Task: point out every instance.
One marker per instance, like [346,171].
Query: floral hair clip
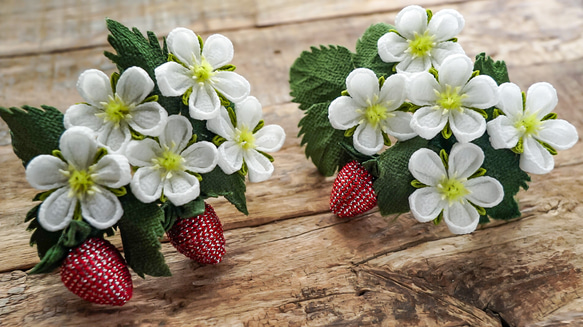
[465,137]
[174,127]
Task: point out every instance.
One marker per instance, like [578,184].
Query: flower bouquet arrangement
[413,124]
[149,144]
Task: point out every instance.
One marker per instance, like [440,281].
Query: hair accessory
[140,156]
[412,124]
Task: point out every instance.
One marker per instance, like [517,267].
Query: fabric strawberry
[352,192]
[200,238]
[95,271]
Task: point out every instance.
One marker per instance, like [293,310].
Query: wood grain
[291,262]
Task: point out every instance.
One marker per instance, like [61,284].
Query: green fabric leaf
[232,187]
[172,212]
[133,49]
[367,55]
[503,165]
[34,131]
[393,185]
[75,234]
[141,230]
[320,75]
[495,69]
[324,144]
[43,239]
[51,260]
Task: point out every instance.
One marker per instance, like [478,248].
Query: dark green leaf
[141,230]
[52,260]
[320,75]
[367,55]
[232,187]
[76,233]
[324,144]
[487,66]
[34,131]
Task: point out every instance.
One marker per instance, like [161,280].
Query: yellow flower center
[245,138]
[80,182]
[452,190]
[528,125]
[376,113]
[203,72]
[116,110]
[422,44]
[450,99]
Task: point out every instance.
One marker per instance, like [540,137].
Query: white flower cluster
[436,77]
[119,127]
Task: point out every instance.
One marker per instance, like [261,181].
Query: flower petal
[485,191]
[467,125]
[230,157]
[44,172]
[421,89]
[399,126]
[363,86]
[201,157]
[222,125]
[426,166]
[149,118]
[456,70]
[181,188]
[535,159]
[541,98]
[147,184]
[558,133]
[260,168]
[57,210]
[173,79]
[393,92]
[218,50]
[248,112]
[232,85]
[177,133]
[428,122]
[481,92]
[78,147]
[134,85]
[270,138]
[114,138]
[391,47]
[464,160]
[113,170]
[367,139]
[426,204]
[83,115]
[461,218]
[140,153]
[446,24]
[510,100]
[443,50]
[343,113]
[94,87]
[414,64]
[411,19]
[183,43]
[503,134]
[204,102]
[102,209]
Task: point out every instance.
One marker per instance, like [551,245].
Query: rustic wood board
[291,262]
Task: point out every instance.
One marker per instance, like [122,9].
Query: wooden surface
[291,262]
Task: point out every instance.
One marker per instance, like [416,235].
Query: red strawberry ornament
[95,271]
[200,238]
[352,192]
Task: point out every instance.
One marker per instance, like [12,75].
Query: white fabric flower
[198,72]
[244,143]
[450,191]
[451,100]
[373,109]
[165,167]
[524,124]
[111,113]
[417,44]
[79,181]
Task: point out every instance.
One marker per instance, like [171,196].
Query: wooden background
[291,262]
